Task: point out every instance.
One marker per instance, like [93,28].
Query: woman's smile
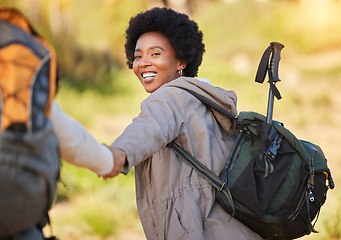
[148,77]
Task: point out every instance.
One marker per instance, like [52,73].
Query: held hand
[119,161]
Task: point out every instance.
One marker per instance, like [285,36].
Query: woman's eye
[137,57]
[155,54]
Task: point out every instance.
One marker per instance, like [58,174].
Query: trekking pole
[274,50]
[273,77]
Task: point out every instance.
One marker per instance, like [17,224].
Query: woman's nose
[145,61]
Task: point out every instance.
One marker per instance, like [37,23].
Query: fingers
[119,161]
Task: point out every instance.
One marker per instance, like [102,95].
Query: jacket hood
[222,97]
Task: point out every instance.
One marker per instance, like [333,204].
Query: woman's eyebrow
[153,47]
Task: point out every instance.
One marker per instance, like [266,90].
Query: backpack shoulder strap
[203,171]
[198,166]
[192,161]
[15,17]
[210,104]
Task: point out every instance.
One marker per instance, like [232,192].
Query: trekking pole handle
[275,58]
[276,49]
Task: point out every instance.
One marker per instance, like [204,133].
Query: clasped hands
[119,158]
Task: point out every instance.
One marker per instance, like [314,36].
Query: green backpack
[272,182]
[278,182]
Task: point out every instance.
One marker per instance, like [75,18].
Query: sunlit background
[103,94]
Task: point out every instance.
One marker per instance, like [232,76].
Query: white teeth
[148,75]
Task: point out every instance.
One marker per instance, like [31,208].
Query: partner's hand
[119,161]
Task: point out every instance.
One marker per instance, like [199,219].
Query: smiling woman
[155,62]
[165,48]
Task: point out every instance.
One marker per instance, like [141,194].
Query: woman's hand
[119,162]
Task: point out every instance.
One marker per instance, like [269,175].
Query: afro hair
[183,34]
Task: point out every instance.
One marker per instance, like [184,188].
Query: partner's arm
[78,146]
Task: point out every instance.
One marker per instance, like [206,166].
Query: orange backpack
[29,149]
[23,55]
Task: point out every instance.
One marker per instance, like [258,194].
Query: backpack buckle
[221,187]
[271,153]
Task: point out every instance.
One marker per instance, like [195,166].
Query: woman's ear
[182,66]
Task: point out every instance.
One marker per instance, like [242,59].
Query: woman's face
[155,62]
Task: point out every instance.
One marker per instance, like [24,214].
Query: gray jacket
[173,201]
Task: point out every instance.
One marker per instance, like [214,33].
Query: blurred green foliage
[94,207]
[97,88]
[89,35]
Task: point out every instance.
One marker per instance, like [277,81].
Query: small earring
[180,72]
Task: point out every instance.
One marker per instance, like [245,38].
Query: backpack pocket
[29,171]
[256,192]
[23,195]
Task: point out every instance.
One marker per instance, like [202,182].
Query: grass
[89,207]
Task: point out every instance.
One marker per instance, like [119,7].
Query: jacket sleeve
[158,123]
[77,145]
